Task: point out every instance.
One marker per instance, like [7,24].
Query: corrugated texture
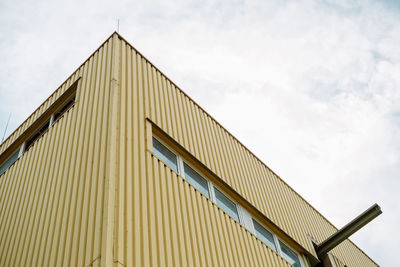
[161,220]
[148,93]
[89,192]
[183,228]
[51,199]
[337,262]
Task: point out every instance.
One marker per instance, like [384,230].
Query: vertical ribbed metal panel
[150,94]
[91,178]
[161,220]
[177,226]
[51,199]
[337,262]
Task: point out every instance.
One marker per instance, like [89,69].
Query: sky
[311,87]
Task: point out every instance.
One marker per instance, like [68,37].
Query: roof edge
[256,157]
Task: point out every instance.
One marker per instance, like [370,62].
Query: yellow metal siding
[51,199]
[337,262]
[212,145]
[177,226]
[160,219]
[90,192]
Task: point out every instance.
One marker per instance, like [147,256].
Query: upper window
[51,120]
[290,255]
[37,135]
[264,235]
[163,153]
[196,180]
[226,204]
[39,127]
[58,114]
[13,158]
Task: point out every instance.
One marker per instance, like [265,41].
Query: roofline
[219,124]
[11,134]
[122,38]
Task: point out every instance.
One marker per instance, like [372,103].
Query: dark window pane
[226,204]
[8,162]
[264,235]
[290,255]
[37,135]
[165,155]
[196,180]
[64,109]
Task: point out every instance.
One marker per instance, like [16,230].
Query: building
[119,167]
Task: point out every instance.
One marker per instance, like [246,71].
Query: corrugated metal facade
[91,191]
[51,199]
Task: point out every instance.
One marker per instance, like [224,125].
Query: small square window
[196,180]
[37,135]
[226,204]
[264,235]
[10,161]
[165,155]
[64,109]
[290,255]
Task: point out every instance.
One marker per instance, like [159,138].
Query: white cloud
[316,81]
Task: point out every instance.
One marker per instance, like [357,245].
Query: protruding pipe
[348,230]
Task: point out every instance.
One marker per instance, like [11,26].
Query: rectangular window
[196,180]
[226,204]
[165,154]
[64,108]
[264,235]
[289,255]
[37,135]
[10,161]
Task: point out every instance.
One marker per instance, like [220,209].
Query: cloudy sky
[311,87]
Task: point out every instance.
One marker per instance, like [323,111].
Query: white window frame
[290,247]
[276,242]
[182,163]
[212,192]
[179,164]
[274,237]
[230,198]
[246,219]
[51,120]
[19,150]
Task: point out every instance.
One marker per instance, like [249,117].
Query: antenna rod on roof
[118,25]
[5,130]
